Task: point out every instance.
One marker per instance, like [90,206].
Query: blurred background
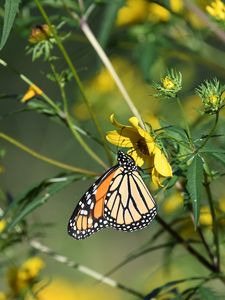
[142,39]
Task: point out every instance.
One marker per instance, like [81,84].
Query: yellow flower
[30,268]
[104,81]
[2,225]
[158,13]
[222,204]
[217,10]
[134,11]
[3,296]
[176,5]
[40,33]
[60,289]
[205,217]
[167,83]
[20,278]
[32,91]
[173,203]
[143,148]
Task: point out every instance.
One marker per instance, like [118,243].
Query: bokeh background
[143,39]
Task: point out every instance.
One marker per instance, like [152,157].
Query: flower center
[141,144]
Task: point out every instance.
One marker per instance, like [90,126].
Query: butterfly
[118,199]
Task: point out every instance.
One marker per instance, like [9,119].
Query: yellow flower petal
[127,137]
[32,91]
[156,178]
[115,122]
[161,164]
[137,157]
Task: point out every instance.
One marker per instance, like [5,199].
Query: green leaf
[220,157]
[194,185]
[168,285]
[11,9]
[208,294]
[211,149]
[38,196]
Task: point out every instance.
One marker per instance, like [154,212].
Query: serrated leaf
[194,185]
[38,196]
[11,9]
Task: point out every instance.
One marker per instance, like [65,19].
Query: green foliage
[192,141]
[11,9]
[194,184]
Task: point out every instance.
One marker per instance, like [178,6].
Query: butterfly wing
[88,216]
[129,205]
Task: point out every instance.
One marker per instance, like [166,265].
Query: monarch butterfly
[118,199]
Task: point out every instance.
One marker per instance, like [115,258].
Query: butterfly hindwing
[129,205]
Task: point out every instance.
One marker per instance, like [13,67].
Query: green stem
[210,133]
[186,245]
[61,115]
[215,228]
[77,79]
[184,118]
[44,158]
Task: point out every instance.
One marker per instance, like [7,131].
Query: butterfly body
[118,199]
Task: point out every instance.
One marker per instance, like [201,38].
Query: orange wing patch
[100,196]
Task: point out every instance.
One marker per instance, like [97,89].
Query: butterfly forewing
[88,216]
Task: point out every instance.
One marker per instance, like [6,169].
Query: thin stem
[186,245]
[44,158]
[215,228]
[83,269]
[107,63]
[184,118]
[61,115]
[207,248]
[210,133]
[78,81]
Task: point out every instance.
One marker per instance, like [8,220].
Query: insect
[118,199]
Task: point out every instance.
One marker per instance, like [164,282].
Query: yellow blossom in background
[2,225]
[176,5]
[217,10]
[3,296]
[222,204]
[173,203]
[133,11]
[158,13]
[103,81]
[20,278]
[60,289]
[205,217]
[32,91]
[30,268]
[143,148]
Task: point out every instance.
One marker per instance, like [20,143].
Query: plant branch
[215,228]
[78,81]
[107,63]
[44,158]
[83,269]
[186,245]
[61,114]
